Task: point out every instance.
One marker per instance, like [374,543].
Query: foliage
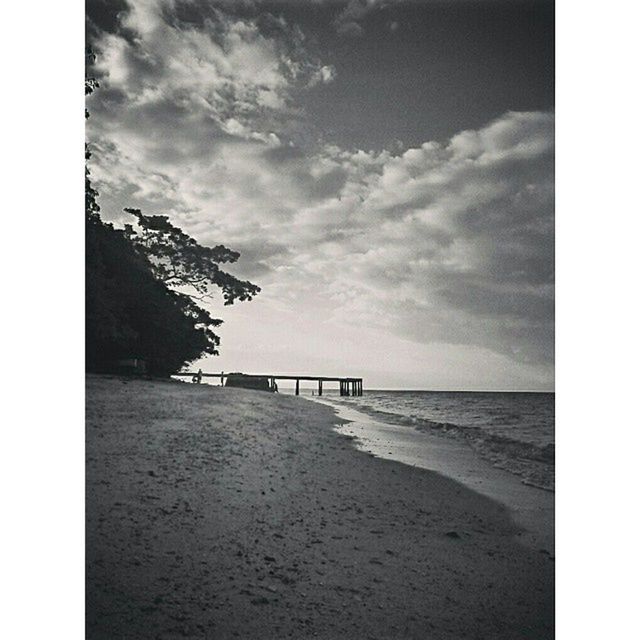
[129,313]
[133,309]
[179,261]
[92,208]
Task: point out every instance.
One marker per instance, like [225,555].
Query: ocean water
[513,431]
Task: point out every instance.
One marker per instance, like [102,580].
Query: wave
[534,463]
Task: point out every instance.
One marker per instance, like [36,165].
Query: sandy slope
[225,513]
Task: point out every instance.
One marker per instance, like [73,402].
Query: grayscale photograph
[319,319]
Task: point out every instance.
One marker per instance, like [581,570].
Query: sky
[384,167]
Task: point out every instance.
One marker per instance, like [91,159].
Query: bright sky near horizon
[385,168]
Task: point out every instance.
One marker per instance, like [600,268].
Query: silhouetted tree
[92,208]
[132,306]
[130,313]
[179,261]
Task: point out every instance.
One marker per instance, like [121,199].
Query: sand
[228,513]
[531,507]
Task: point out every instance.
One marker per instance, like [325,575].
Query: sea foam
[514,431]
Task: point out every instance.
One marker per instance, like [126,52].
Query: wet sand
[531,507]
[227,513]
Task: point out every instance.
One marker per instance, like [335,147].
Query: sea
[499,444]
[513,431]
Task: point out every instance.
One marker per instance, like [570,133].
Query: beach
[228,513]
[530,506]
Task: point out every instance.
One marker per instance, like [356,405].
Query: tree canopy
[178,260]
[145,285]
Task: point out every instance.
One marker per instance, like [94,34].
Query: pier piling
[347,386]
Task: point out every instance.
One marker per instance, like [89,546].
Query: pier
[347,386]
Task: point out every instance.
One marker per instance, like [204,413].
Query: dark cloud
[350,28]
[257,258]
[445,242]
[348,21]
[104,15]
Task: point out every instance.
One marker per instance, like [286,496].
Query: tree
[130,313]
[92,208]
[134,307]
[179,261]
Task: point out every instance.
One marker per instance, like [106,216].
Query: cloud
[444,243]
[348,21]
[323,75]
[237,76]
[450,243]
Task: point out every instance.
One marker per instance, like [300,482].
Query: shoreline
[469,436]
[216,512]
[532,507]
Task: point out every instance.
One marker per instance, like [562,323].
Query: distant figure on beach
[197,378]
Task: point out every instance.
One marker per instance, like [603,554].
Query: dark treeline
[143,288]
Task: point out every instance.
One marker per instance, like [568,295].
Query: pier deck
[348,386]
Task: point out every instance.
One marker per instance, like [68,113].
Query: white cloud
[443,244]
[225,70]
[323,75]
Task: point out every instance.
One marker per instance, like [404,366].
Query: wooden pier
[347,386]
